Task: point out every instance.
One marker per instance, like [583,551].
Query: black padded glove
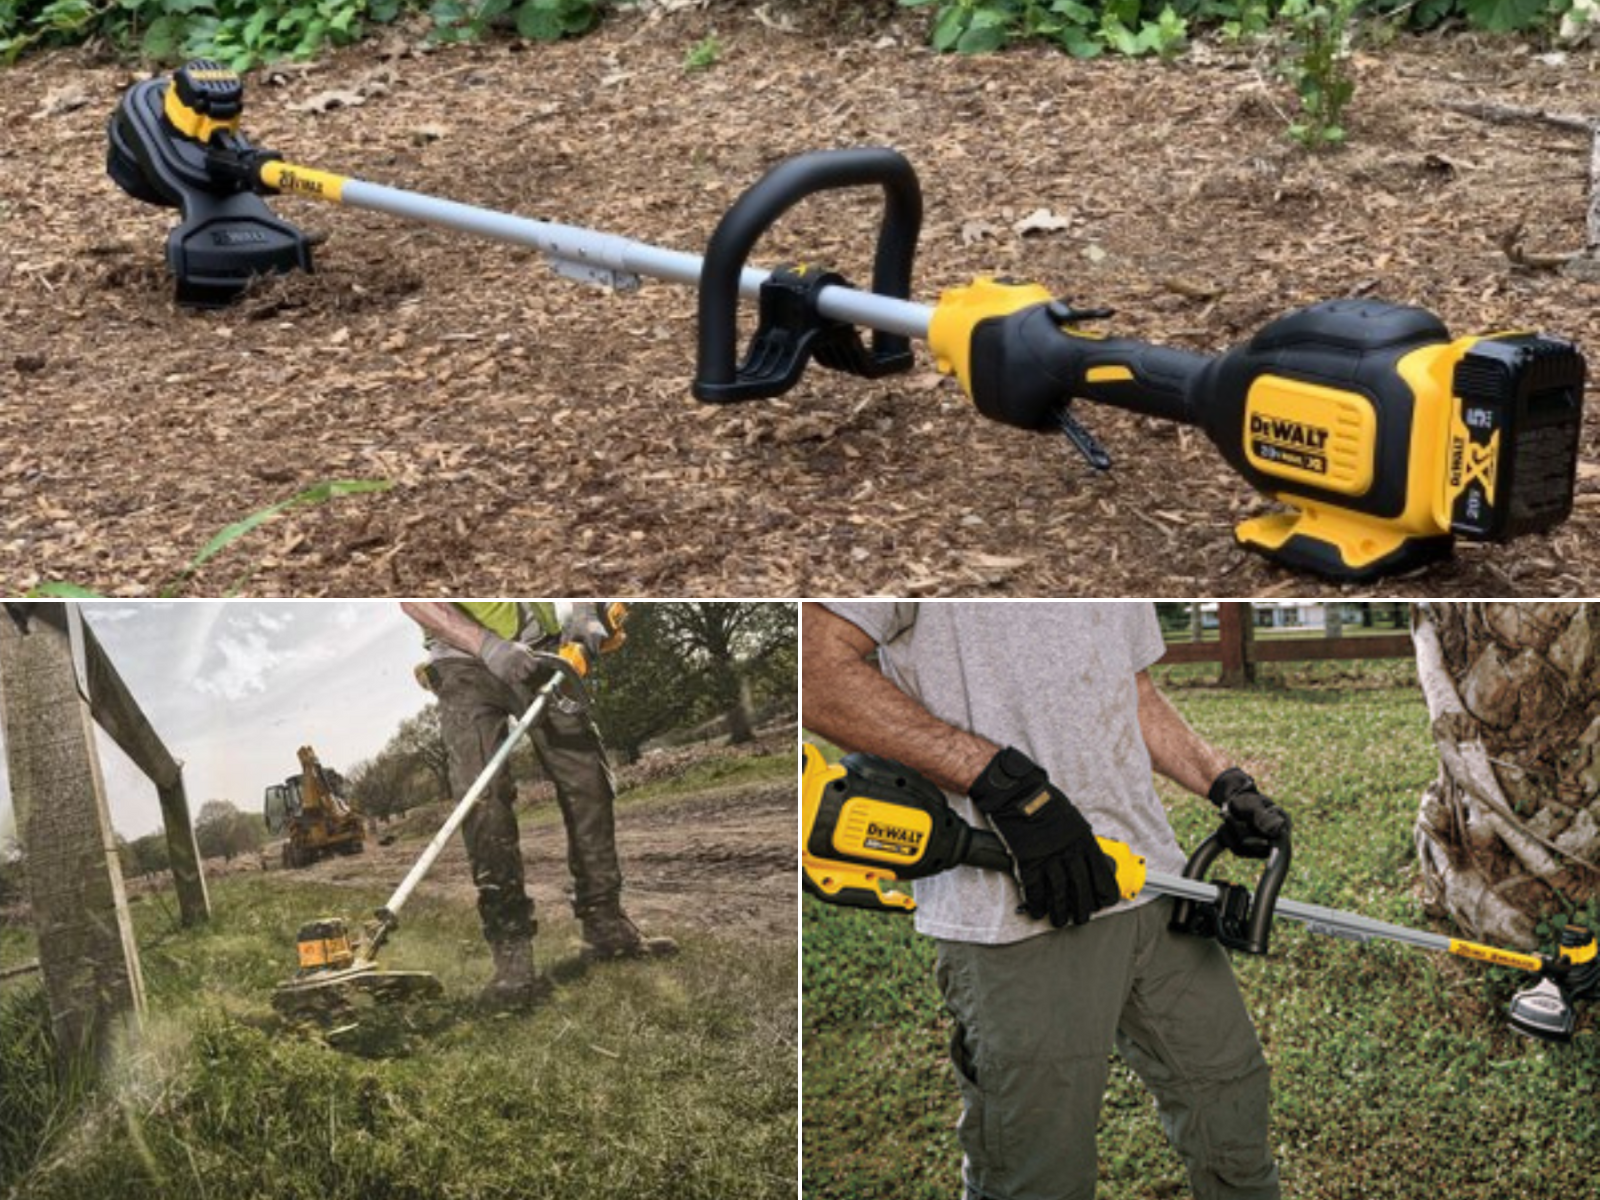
[1250,821]
[1060,867]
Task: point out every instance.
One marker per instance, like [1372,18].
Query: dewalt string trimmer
[866,821]
[1384,437]
[337,966]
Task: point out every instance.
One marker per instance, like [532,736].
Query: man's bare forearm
[446,621]
[849,702]
[1176,750]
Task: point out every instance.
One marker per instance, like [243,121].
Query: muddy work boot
[608,934]
[516,985]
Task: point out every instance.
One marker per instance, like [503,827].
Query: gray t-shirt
[1057,681]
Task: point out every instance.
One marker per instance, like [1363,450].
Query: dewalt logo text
[1284,432]
[893,833]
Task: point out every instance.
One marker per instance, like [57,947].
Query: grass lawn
[1393,1072]
[672,1078]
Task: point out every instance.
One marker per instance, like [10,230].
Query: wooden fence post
[119,714]
[183,853]
[1237,626]
[87,952]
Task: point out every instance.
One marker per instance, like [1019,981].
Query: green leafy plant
[245,33]
[1161,27]
[1317,65]
[321,493]
[703,54]
[1130,27]
[541,20]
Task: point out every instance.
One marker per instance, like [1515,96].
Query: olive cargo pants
[475,713]
[1035,1022]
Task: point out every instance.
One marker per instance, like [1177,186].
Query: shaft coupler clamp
[791,334]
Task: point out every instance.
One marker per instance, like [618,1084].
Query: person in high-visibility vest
[482,667]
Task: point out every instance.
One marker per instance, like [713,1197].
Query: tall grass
[672,1078]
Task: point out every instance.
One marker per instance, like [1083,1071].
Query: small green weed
[703,55]
[320,493]
[1316,63]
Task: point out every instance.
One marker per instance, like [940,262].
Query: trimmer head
[168,145]
[1547,1010]
[336,980]
[1543,1012]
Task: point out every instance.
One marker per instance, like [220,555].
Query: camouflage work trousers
[475,713]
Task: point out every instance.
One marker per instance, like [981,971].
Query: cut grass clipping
[672,1078]
[321,493]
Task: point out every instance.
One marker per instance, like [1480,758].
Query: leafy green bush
[1140,27]
[543,20]
[244,33]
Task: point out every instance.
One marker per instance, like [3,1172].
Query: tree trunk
[1510,829]
[741,726]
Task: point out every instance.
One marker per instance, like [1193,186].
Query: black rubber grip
[987,852]
[779,190]
[1025,365]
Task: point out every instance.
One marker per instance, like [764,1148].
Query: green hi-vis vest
[509,618]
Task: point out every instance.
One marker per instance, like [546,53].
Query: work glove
[1060,867]
[1251,823]
[585,628]
[514,665]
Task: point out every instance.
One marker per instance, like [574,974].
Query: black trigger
[1083,441]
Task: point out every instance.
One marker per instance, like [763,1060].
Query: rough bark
[80,911]
[1510,828]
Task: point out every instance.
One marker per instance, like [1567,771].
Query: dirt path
[719,861]
[530,420]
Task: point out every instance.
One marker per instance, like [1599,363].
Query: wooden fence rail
[1238,652]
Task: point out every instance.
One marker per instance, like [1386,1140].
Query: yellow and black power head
[1385,438]
[866,821]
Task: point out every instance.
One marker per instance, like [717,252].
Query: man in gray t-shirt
[1040,720]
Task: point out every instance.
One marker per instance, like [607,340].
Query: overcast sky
[234,687]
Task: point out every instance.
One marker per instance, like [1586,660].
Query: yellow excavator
[311,808]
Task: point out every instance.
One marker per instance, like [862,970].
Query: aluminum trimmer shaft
[1333,922]
[586,254]
[389,914]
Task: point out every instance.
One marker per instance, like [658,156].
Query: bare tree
[727,644]
[420,739]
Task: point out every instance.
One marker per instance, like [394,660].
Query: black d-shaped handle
[1237,919]
[717,373]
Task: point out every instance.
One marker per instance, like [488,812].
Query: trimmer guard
[228,236]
